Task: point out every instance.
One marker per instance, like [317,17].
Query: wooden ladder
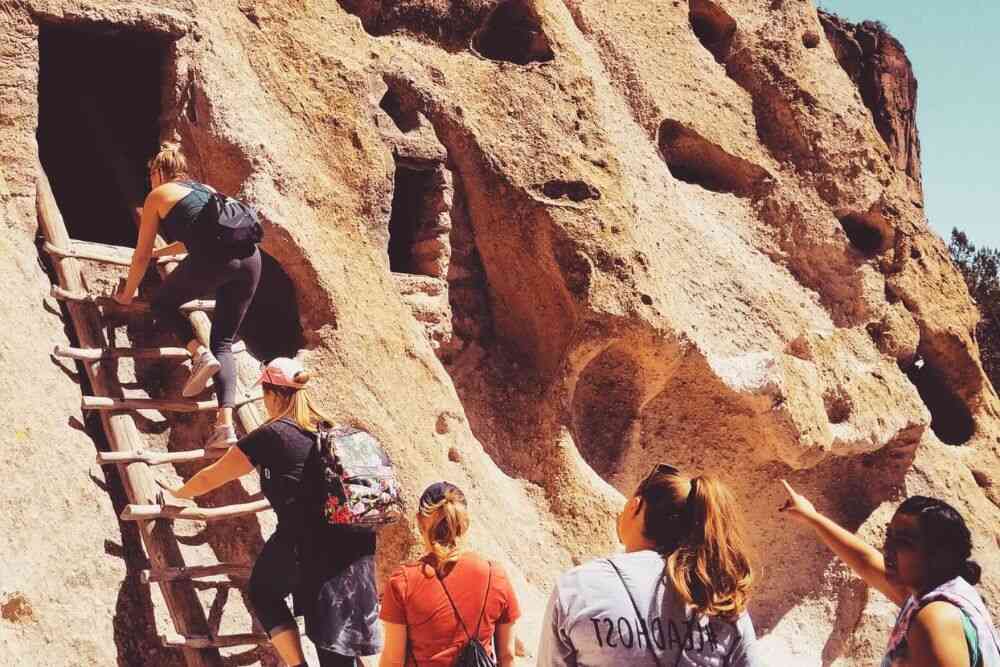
[192,633]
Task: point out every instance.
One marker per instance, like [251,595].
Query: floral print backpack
[358,481]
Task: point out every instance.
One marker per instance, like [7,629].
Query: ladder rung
[98,354]
[160,404]
[158,458]
[196,572]
[101,252]
[195,513]
[62,294]
[222,641]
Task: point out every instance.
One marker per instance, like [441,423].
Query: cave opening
[513,33]
[271,327]
[605,405]
[405,118]
[863,234]
[951,419]
[713,27]
[99,101]
[693,159]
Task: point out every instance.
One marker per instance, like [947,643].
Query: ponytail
[696,524]
[170,162]
[448,522]
[972,572]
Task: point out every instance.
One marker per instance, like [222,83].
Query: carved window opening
[419,225]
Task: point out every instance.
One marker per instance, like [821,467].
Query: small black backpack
[223,224]
[473,654]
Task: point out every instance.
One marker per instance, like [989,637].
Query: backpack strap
[198,186]
[486,596]
[454,608]
[639,616]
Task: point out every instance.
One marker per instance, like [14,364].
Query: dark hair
[945,537]
[696,524]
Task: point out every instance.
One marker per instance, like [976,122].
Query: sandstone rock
[594,234]
[878,65]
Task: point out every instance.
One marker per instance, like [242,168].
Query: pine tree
[981,269]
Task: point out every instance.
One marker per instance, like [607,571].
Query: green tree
[981,269]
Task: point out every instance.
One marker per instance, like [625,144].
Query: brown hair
[696,524]
[295,404]
[449,522]
[170,162]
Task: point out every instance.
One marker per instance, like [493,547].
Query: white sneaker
[203,368]
[223,437]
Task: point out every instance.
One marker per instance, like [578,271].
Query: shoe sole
[197,383]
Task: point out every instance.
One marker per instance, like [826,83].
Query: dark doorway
[409,212]
[98,124]
[271,327]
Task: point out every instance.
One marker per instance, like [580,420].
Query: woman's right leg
[274,576]
[191,279]
[184,283]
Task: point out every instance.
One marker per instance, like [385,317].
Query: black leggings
[234,281]
[328,659]
[275,575]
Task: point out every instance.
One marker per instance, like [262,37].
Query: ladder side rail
[158,539]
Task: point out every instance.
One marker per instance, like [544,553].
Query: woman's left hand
[167,495]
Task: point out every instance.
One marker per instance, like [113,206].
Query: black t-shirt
[283,453]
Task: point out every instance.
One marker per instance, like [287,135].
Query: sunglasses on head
[658,469]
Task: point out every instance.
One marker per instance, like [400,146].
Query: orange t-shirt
[414,597]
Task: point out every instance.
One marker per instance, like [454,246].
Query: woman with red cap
[329,569]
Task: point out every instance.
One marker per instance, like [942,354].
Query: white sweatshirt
[590,621]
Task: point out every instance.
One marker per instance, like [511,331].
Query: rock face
[535,246]
[878,66]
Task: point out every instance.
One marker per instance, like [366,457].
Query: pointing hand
[797,506]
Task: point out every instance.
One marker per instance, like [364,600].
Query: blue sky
[958,104]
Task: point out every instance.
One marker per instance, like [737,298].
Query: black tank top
[180,218]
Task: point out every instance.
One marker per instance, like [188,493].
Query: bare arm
[505,644]
[149,226]
[232,465]
[936,638]
[864,559]
[394,651]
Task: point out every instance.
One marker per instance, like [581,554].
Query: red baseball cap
[282,371]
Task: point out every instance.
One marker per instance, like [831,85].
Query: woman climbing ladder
[231,270]
[329,569]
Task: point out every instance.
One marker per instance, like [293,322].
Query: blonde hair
[445,532]
[295,404]
[696,524]
[170,161]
